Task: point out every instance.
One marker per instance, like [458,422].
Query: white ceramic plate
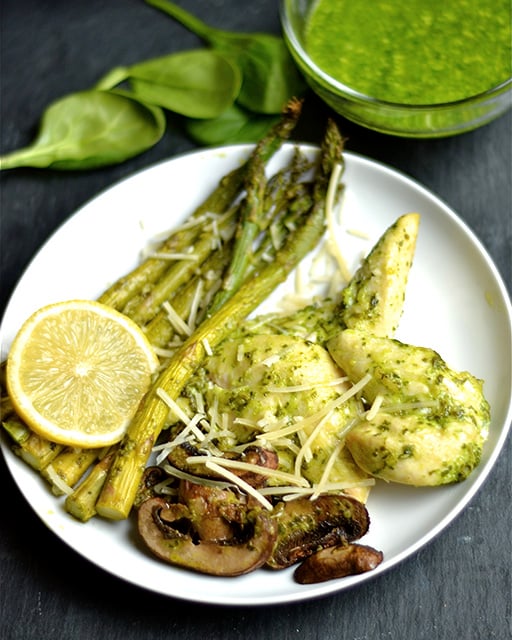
[456,303]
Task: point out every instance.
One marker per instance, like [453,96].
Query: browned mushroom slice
[261,457]
[152,477]
[338,562]
[265,458]
[215,514]
[167,530]
[305,526]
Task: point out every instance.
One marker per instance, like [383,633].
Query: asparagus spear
[178,274]
[263,206]
[118,493]
[123,290]
[68,467]
[81,504]
[160,331]
[148,272]
[30,447]
[248,228]
[283,193]
[39,452]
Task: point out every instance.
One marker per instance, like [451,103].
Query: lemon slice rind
[77,371]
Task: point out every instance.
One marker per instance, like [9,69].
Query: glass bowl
[407,120]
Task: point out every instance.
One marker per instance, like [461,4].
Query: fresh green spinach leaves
[233,90]
[197,84]
[270,78]
[90,129]
[234,125]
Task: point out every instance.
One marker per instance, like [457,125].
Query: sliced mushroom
[337,562]
[265,458]
[305,526]
[150,479]
[167,529]
[215,514]
[261,457]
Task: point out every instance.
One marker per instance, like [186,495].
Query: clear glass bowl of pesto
[413,68]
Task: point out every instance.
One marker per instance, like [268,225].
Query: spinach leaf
[90,129]
[234,125]
[198,83]
[270,77]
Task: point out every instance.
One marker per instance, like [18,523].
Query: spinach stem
[112,78]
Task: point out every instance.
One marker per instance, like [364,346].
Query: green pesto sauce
[414,51]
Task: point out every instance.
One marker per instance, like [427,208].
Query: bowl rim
[341,88]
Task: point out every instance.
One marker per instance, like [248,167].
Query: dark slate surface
[459,586]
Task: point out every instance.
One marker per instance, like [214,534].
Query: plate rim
[333,587]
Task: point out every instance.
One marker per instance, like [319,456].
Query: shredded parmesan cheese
[183,475]
[194,307]
[374,409]
[175,319]
[306,448]
[306,387]
[358,233]
[207,347]
[57,481]
[174,256]
[240,483]
[174,407]
[320,488]
[314,418]
[271,360]
[247,466]
[291,493]
[331,222]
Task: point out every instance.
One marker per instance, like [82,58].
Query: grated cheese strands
[314,418]
[306,387]
[245,422]
[240,483]
[163,353]
[408,406]
[358,233]
[174,407]
[213,413]
[275,235]
[175,319]
[174,256]
[374,409]
[184,436]
[279,433]
[331,223]
[216,238]
[327,470]
[163,487]
[198,401]
[205,482]
[270,361]
[194,307]
[57,481]
[305,451]
[207,347]
[289,493]
[293,493]
[286,443]
[247,466]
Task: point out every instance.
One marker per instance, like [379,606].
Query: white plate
[456,303]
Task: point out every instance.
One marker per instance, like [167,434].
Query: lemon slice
[77,371]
